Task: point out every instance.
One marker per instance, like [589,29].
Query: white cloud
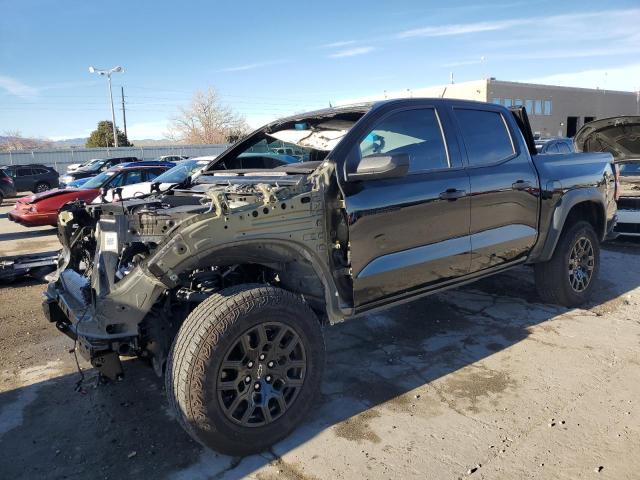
[623,77]
[17,88]
[566,23]
[352,52]
[345,43]
[252,66]
[459,29]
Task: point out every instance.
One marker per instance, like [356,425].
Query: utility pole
[124,114]
[107,73]
[113,116]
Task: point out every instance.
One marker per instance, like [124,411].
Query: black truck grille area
[629,203]
[628,228]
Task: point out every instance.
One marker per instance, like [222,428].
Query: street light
[108,73]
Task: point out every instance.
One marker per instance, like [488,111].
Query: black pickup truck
[224,284]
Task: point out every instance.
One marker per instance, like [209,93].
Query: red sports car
[42,208]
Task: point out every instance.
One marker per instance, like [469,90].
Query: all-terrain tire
[553,281]
[194,365]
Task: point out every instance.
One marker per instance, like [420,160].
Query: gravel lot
[479,382]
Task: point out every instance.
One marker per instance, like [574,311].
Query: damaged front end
[131,272]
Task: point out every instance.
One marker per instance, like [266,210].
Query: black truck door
[409,232]
[504,185]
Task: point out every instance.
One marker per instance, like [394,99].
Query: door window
[134,176]
[485,135]
[151,173]
[414,132]
[24,172]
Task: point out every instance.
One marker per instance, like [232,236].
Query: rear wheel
[245,368]
[568,278]
[42,187]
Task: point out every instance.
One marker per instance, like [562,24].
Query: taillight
[616,174]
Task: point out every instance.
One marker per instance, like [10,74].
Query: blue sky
[269,59]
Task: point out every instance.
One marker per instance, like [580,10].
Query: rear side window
[485,136]
[414,132]
[23,172]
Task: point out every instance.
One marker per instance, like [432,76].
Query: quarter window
[414,132]
[485,136]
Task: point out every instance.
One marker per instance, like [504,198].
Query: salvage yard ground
[479,382]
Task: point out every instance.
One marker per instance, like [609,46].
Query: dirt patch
[286,471]
[610,306]
[475,384]
[357,428]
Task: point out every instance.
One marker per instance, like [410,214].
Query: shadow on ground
[27,234]
[126,430]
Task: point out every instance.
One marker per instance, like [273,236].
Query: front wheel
[245,368]
[569,277]
[42,187]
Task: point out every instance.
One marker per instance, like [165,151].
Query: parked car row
[38,178]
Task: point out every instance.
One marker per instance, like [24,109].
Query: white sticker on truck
[110,242]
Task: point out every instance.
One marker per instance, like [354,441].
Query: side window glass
[414,132]
[23,172]
[151,173]
[485,136]
[134,176]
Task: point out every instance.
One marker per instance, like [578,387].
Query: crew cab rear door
[504,184]
[409,232]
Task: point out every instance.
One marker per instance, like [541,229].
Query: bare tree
[13,140]
[206,120]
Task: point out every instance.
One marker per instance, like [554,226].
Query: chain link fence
[60,158]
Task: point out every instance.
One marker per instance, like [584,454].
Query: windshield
[629,169]
[91,162]
[98,180]
[93,166]
[181,171]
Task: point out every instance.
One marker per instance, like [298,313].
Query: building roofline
[561,87]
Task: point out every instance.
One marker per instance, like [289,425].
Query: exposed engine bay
[131,271]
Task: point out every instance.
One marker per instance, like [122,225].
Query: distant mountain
[70,142]
[80,142]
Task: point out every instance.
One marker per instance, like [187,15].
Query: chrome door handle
[521,185]
[452,194]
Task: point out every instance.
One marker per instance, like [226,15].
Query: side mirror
[378,166]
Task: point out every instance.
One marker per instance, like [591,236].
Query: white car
[177,174]
[75,166]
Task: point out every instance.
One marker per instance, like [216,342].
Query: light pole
[108,73]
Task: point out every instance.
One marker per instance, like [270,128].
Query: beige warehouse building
[553,111]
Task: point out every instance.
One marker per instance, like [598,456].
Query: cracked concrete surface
[478,382]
